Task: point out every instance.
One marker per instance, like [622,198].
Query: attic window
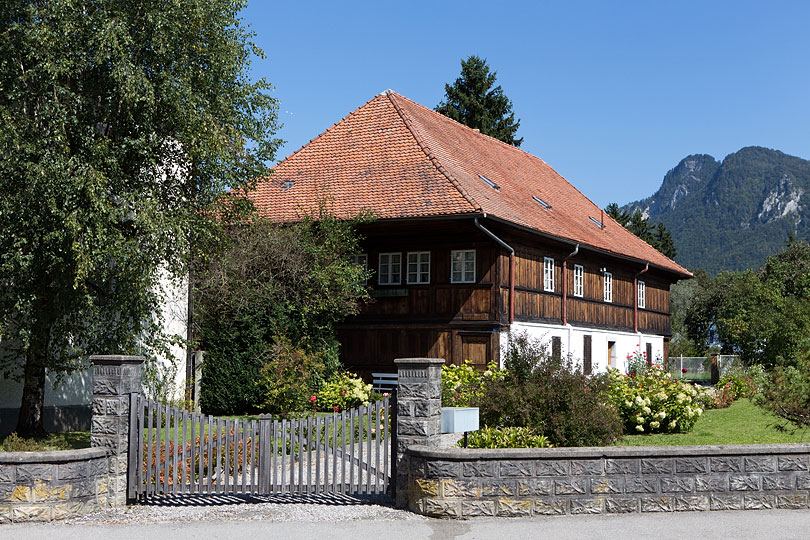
[287,184]
[541,202]
[489,182]
[596,221]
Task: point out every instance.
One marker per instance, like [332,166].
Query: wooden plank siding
[460,321]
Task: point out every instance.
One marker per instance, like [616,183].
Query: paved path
[752,525]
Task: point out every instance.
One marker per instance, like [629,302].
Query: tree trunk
[29,423]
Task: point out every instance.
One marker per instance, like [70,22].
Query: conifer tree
[475,101]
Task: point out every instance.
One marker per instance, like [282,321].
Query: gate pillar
[419,413]
[115,377]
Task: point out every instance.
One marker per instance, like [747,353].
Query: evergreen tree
[474,101]
[657,236]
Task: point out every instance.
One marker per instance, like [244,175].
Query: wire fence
[699,368]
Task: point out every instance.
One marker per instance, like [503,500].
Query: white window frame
[607,291]
[360,259]
[421,277]
[386,273]
[466,277]
[548,274]
[579,280]
[642,294]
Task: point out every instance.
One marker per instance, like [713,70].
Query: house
[474,239]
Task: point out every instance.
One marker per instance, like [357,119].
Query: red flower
[336,408]
[684,370]
[312,399]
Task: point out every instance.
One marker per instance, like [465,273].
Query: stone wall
[42,486]
[461,483]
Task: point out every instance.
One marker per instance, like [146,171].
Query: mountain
[731,215]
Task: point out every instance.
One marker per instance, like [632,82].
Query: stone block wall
[43,486]
[462,483]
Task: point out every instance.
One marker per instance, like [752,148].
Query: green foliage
[741,423]
[505,437]
[290,378]
[550,396]
[268,280]
[122,124]
[473,101]
[652,402]
[786,393]
[69,440]
[344,390]
[738,385]
[762,316]
[729,216]
[657,236]
[463,385]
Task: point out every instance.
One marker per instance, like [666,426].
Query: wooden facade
[463,321]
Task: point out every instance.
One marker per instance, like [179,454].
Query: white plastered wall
[572,341]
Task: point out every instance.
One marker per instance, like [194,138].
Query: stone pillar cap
[116,359]
[430,361]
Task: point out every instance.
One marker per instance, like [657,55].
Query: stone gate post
[419,412]
[115,377]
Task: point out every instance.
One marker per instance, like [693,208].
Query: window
[579,280]
[642,292]
[489,182]
[595,221]
[361,259]
[608,291]
[541,202]
[462,266]
[548,274]
[418,267]
[390,269]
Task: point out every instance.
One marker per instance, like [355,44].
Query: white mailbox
[459,419]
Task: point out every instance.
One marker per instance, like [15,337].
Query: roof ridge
[498,141]
[424,147]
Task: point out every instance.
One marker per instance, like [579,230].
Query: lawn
[742,423]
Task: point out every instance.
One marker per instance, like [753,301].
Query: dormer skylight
[489,182]
[287,184]
[541,202]
[596,221]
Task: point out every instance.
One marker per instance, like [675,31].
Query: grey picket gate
[172,451]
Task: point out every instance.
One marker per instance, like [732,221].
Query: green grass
[742,423]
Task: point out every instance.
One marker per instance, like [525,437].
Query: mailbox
[459,419]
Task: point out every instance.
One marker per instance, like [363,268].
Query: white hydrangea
[655,425]
[639,428]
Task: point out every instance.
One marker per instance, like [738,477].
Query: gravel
[194,508]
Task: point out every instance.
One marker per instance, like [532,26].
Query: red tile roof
[399,159]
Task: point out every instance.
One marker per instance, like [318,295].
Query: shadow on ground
[220,499]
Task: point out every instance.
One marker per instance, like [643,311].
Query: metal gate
[172,451]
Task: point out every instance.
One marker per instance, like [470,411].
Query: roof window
[489,182]
[287,184]
[595,221]
[541,202]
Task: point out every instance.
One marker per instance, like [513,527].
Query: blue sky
[610,94]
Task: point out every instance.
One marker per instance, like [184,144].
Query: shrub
[506,437]
[343,391]
[463,385]
[550,396]
[654,402]
[786,393]
[741,382]
[722,398]
[290,379]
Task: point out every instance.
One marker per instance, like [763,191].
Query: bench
[384,382]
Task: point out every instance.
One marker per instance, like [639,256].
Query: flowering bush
[463,385]
[637,362]
[741,382]
[343,391]
[506,437]
[653,402]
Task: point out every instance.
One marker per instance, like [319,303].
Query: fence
[699,368]
[173,451]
